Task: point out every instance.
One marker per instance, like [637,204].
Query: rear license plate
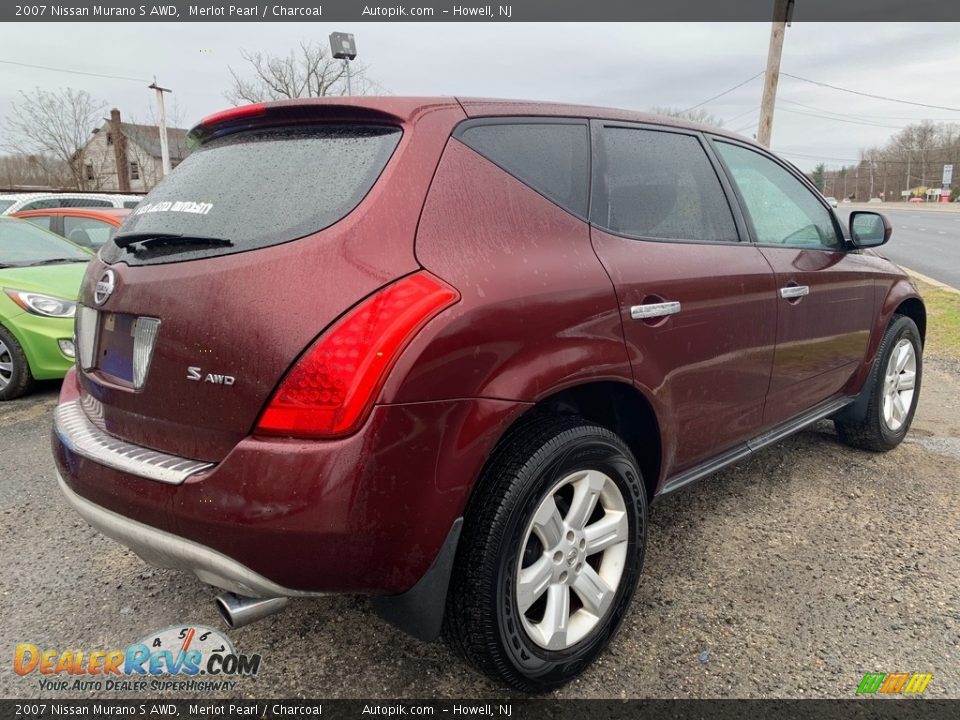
[115,351]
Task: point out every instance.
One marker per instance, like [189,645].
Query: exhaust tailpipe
[237,610]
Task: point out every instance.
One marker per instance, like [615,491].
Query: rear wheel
[15,377]
[894,391]
[550,553]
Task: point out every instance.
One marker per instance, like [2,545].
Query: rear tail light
[86,335]
[330,390]
[144,337]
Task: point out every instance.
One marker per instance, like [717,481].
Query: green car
[40,276]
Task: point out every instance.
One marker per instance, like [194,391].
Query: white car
[14,202]
[832,200]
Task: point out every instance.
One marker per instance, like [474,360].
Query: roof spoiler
[287,112]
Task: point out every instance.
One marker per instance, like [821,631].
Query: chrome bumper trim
[166,550]
[83,437]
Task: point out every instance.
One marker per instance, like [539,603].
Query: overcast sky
[630,65]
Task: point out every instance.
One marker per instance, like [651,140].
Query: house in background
[136,148]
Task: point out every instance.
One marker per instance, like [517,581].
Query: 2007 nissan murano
[445,352]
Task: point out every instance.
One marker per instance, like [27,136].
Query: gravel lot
[789,575]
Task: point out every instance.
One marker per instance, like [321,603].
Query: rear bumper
[165,550]
[364,514]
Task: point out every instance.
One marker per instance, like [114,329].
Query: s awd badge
[195,373]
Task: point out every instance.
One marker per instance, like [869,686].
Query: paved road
[927,241]
[789,575]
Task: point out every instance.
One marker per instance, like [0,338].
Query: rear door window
[659,185]
[259,188]
[83,202]
[553,158]
[45,204]
[41,221]
[86,232]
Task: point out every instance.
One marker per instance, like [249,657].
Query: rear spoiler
[288,112]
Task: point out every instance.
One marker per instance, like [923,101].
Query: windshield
[5,204]
[256,189]
[22,243]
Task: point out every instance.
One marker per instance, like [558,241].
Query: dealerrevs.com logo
[899,683]
[179,658]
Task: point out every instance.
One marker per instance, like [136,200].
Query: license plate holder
[115,345]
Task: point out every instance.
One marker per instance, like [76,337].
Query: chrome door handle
[794,291]
[654,310]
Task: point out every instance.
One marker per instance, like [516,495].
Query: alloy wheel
[572,559]
[6,365]
[899,384]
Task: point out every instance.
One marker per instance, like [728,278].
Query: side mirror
[869,229]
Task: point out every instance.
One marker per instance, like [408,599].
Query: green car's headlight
[45,305]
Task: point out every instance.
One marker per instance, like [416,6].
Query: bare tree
[33,171]
[55,123]
[310,71]
[702,116]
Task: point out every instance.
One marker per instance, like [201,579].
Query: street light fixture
[344,47]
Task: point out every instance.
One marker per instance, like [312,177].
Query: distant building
[142,166]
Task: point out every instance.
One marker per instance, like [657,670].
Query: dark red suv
[446,352]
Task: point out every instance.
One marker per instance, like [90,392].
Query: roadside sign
[947,175]
[343,46]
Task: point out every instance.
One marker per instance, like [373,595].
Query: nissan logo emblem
[104,287]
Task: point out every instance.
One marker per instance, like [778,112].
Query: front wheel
[551,550]
[894,390]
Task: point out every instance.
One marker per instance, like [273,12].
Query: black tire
[482,622]
[20,379]
[872,432]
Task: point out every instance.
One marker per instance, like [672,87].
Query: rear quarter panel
[538,311]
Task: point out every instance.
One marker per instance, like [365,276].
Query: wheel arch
[914,309]
[614,405]
[901,300]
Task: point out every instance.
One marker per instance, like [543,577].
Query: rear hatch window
[252,190]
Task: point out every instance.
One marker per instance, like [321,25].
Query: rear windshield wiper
[159,239]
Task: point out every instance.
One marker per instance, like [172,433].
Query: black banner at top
[851,11]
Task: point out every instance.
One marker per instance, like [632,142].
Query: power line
[725,92]
[814,157]
[879,161]
[859,116]
[740,115]
[837,119]
[73,72]
[869,95]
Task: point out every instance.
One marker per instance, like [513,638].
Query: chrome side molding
[654,310]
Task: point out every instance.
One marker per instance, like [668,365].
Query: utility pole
[162,127]
[907,197]
[782,12]
[119,141]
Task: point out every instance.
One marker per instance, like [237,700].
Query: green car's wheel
[15,377]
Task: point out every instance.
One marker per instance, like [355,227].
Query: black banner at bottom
[874,709]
